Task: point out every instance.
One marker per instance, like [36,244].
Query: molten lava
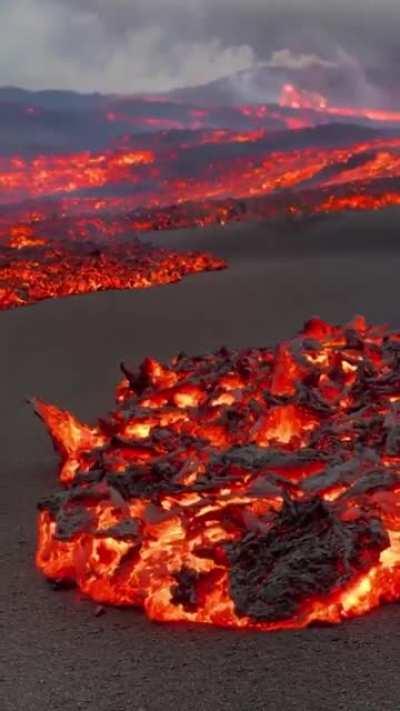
[256,489]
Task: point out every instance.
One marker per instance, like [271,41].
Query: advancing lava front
[34,267]
[256,489]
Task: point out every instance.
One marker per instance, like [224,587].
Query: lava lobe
[256,488]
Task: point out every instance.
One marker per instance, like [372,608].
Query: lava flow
[69,220]
[233,168]
[33,268]
[252,489]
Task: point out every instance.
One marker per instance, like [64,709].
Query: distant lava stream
[179,170]
[250,489]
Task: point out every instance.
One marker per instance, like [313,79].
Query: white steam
[286,59]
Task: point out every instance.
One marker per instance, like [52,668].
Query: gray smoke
[155,45]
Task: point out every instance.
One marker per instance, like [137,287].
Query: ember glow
[249,489]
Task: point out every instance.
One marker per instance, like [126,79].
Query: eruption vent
[294,98]
[256,489]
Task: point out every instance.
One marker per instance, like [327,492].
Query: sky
[129,46]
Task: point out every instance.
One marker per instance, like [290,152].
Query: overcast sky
[152,45]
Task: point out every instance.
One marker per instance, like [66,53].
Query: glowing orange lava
[157,178]
[256,488]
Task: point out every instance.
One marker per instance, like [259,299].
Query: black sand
[55,653]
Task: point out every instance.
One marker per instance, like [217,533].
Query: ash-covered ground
[55,652]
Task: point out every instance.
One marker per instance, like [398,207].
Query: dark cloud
[137,45]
